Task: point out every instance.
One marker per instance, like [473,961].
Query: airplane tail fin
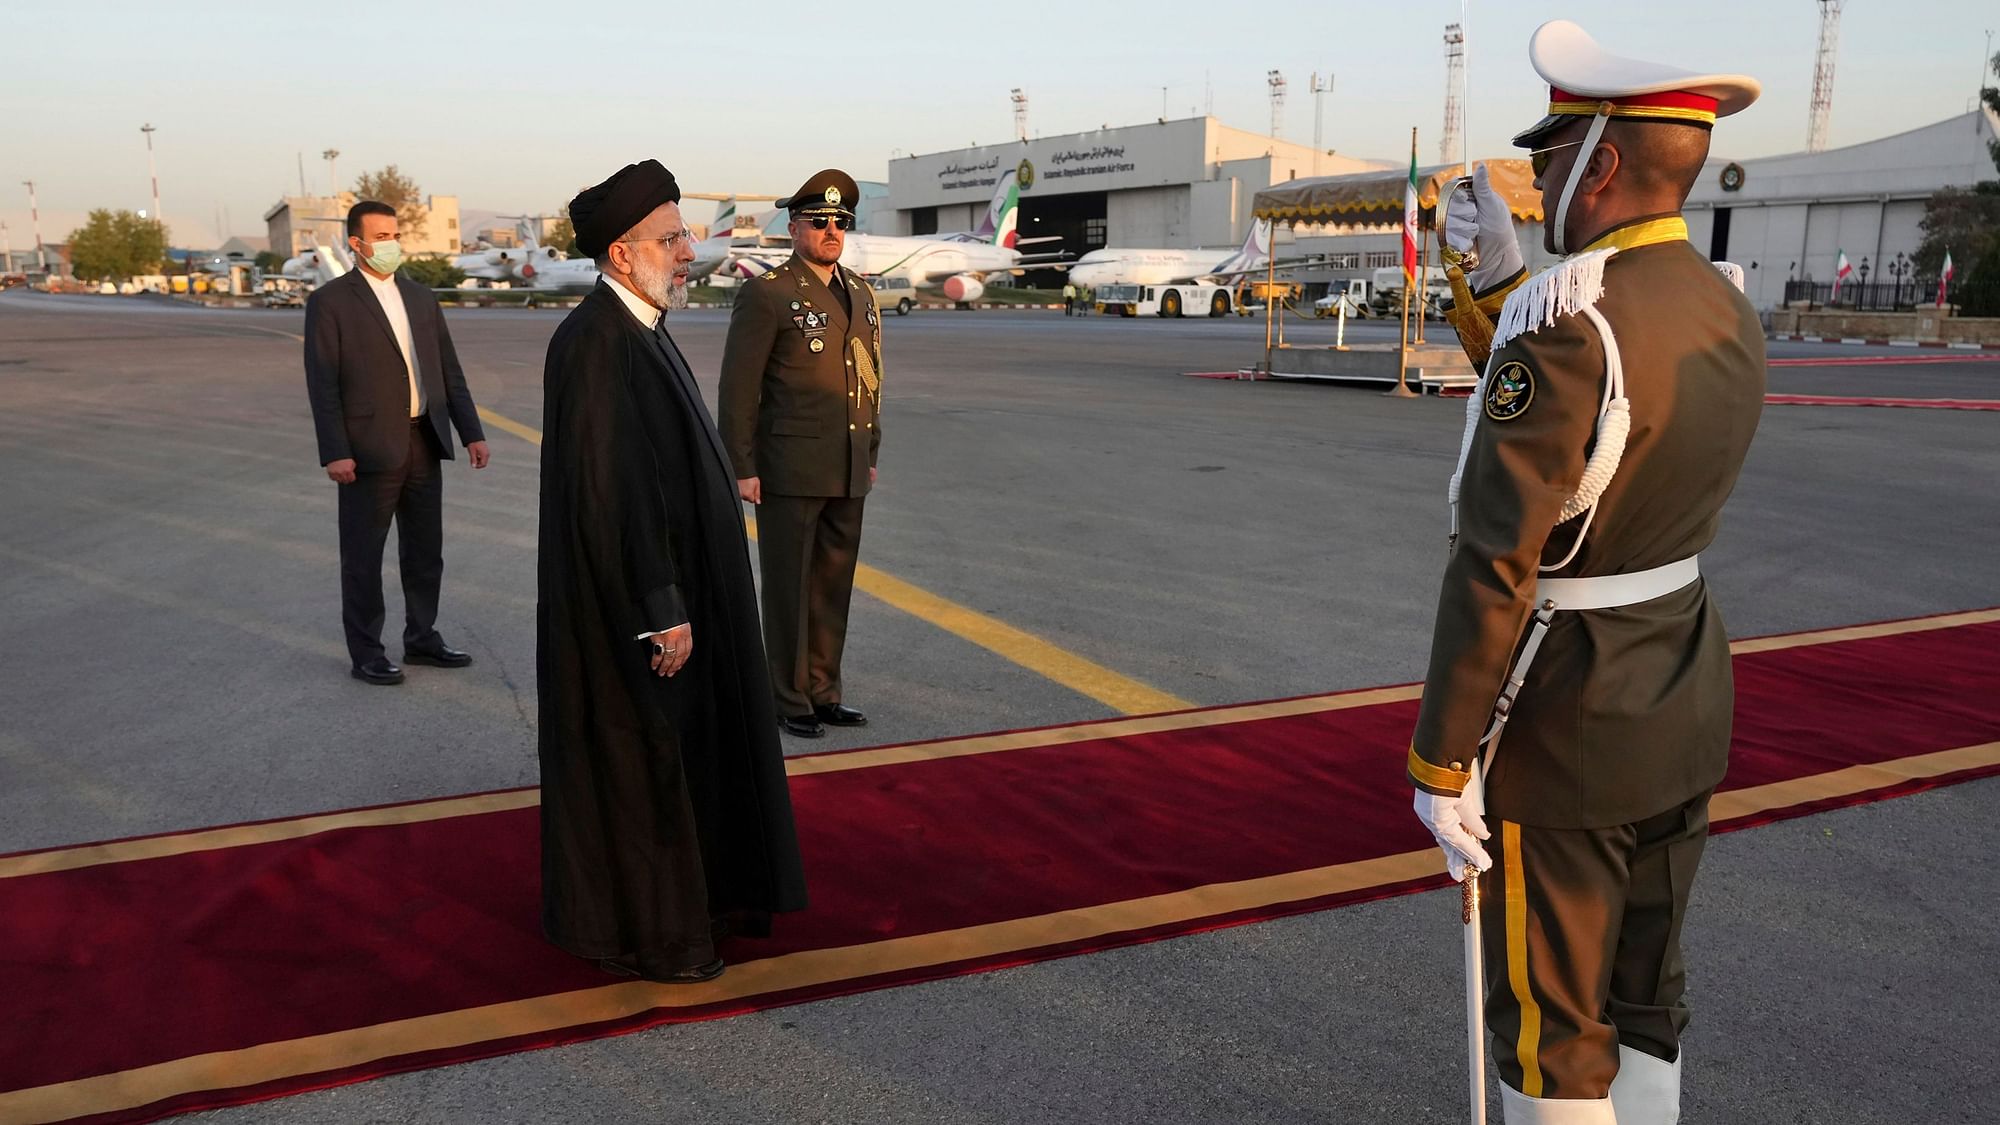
[1255,251]
[724,225]
[1000,226]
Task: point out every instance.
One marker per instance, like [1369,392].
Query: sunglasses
[840,222]
[1539,159]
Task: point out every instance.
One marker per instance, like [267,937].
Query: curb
[1879,341]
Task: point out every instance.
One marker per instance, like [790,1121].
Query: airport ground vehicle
[1195,298]
[1354,293]
[1386,293]
[895,293]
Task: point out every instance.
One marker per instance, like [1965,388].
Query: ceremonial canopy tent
[1371,198]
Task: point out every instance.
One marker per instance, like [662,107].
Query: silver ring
[672,651]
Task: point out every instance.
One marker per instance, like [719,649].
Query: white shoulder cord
[1614,427]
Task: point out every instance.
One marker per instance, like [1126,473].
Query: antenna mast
[1454,91]
[1822,91]
[1276,82]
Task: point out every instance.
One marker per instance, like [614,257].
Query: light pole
[154,172]
[332,174]
[1899,268]
[35,215]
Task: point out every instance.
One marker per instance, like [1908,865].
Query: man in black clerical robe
[666,820]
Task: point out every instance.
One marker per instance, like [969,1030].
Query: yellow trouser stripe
[1529,1041]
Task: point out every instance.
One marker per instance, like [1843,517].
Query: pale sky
[513,106]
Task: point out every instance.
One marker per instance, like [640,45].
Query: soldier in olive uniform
[800,410]
[1615,412]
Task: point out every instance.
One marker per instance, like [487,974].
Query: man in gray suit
[384,380]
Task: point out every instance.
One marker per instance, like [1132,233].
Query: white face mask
[383,257]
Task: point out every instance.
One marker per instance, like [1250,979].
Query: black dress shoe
[437,654]
[378,671]
[801,726]
[695,975]
[627,967]
[839,715]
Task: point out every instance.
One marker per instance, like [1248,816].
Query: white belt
[1606,591]
[1612,590]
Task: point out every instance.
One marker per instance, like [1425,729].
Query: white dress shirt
[647,316]
[391,299]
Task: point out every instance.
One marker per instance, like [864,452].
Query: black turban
[599,215]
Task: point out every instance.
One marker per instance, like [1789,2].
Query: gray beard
[659,288]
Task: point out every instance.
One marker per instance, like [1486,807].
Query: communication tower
[1822,91]
[1454,91]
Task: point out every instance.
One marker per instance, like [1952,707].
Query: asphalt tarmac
[170,658]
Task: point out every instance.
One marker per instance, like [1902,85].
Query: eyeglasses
[840,221]
[670,241]
[1539,159]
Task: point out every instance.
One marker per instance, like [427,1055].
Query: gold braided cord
[864,368]
[1661,112]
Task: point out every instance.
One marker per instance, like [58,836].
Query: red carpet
[212,968]
[1876,400]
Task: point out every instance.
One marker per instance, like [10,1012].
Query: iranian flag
[1410,236]
[1841,268]
[1944,277]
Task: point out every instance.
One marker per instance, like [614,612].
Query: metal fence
[1873,296]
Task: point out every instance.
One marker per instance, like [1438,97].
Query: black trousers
[412,496]
[1582,932]
[808,547]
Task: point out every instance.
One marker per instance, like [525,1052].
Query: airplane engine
[964,288]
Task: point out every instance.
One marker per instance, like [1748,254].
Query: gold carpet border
[339,1050]
[203,840]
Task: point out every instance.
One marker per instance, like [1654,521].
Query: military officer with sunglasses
[800,410]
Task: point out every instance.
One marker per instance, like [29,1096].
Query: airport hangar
[1788,217]
[1182,184]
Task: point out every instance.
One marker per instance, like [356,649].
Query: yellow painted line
[318,1054]
[518,429]
[1083,676]
[1120,693]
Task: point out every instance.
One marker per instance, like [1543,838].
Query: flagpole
[1403,354]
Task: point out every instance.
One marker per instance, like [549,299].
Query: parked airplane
[563,275]
[1123,265]
[958,262]
[728,242]
[505,263]
[316,266]
[961,269]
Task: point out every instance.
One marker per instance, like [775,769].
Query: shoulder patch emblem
[1509,392]
[769,274]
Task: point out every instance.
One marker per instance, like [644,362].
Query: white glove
[1459,823]
[1485,230]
